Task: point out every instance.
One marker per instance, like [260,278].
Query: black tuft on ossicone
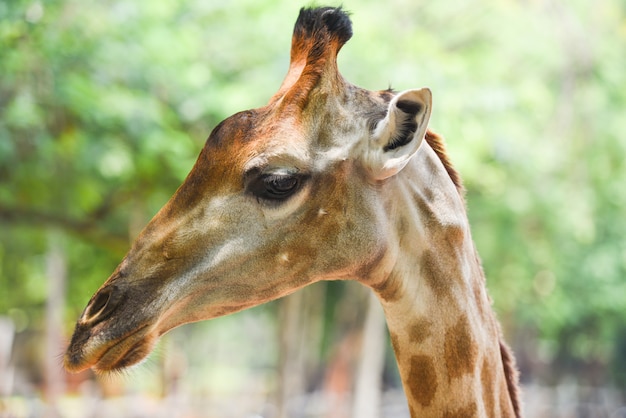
[320,22]
[318,35]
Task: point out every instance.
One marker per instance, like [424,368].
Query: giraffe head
[280,197]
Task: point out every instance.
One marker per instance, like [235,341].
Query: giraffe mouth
[104,355]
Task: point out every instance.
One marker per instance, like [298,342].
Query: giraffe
[328,181]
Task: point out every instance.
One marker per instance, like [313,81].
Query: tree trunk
[7,334]
[367,391]
[291,371]
[56,273]
[299,331]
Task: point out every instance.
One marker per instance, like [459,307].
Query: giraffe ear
[399,134]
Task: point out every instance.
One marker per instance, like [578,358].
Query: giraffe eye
[274,187]
[280,186]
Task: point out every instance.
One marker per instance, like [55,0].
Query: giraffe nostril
[102,304]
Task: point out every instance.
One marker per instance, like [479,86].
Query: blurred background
[105,105]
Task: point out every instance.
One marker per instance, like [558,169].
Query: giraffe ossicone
[328,181]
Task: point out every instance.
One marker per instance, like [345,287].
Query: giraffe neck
[444,333]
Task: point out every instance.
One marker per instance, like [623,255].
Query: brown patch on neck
[435,274]
[422,382]
[468,411]
[438,145]
[420,330]
[460,351]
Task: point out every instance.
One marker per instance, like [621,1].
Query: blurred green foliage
[104,106]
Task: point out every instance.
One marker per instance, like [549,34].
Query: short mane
[438,145]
